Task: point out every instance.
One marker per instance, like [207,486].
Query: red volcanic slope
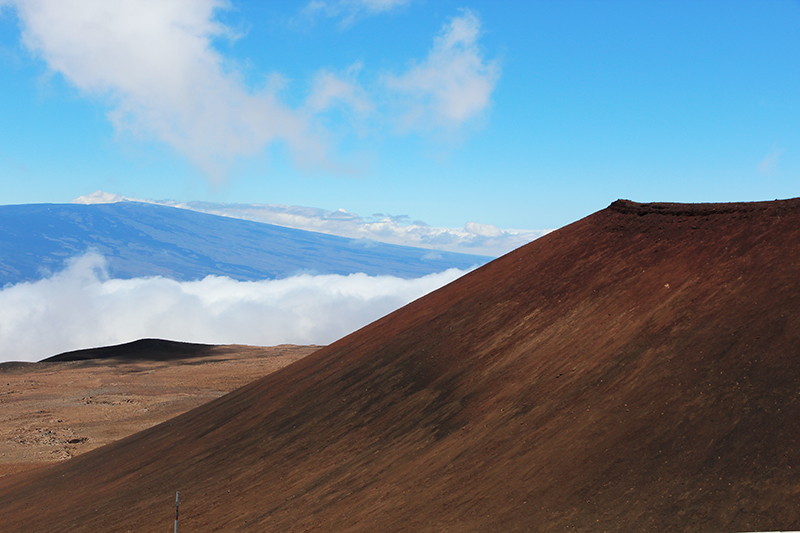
[635,371]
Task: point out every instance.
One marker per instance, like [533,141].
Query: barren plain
[51,411]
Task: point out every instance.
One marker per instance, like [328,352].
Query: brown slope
[636,370]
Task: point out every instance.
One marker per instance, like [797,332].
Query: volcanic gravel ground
[51,411]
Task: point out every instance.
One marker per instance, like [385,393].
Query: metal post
[177,501]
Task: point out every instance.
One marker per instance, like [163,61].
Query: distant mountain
[139,239]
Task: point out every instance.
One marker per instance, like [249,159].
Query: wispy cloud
[350,11]
[153,64]
[330,89]
[473,238]
[80,308]
[452,85]
[339,94]
[769,164]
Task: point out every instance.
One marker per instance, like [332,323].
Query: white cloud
[99,197]
[473,238]
[452,85]
[81,308]
[484,230]
[154,63]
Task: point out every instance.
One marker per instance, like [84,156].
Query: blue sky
[524,115]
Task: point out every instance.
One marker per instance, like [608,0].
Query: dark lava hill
[638,370]
[142,349]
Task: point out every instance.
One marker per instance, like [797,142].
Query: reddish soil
[635,371]
[77,401]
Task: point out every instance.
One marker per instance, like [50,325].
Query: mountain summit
[636,370]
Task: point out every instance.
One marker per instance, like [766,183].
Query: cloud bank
[81,308]
[153,63]
[473,238]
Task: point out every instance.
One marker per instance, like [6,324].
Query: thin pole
[177,502]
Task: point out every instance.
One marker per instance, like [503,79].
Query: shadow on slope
[636,370]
